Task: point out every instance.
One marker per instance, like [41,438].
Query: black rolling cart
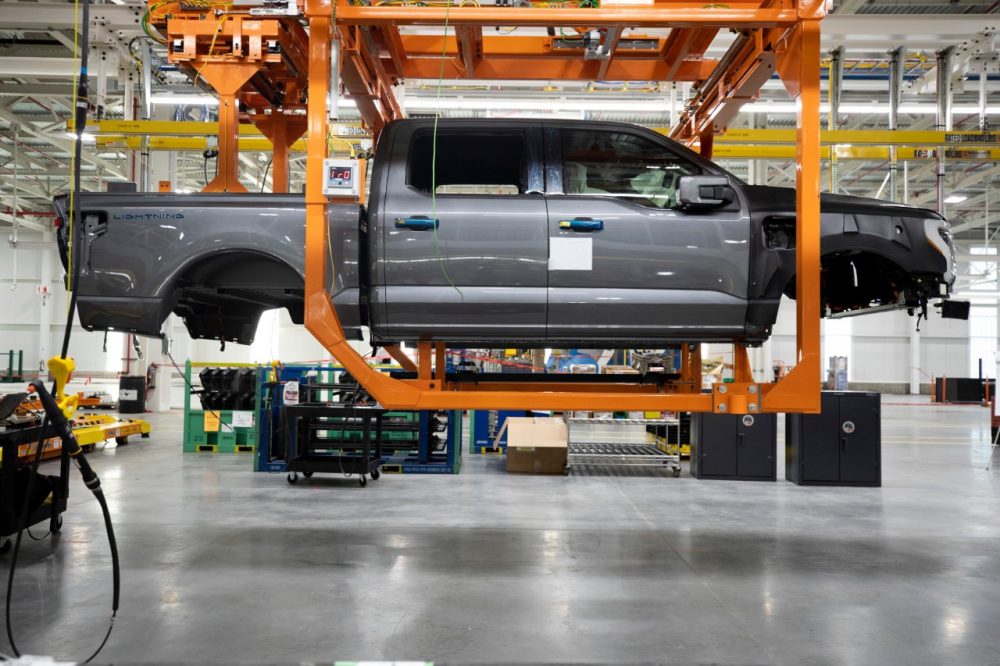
[50,492]
[333,439]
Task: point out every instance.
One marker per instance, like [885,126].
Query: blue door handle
[417,223]
[582,224]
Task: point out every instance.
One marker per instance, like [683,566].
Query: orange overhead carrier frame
[372,55]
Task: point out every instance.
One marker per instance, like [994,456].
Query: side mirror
[704,192]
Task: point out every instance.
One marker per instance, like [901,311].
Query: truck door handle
[417,223]
[582,224]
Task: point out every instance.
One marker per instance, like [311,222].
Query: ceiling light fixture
[183,100]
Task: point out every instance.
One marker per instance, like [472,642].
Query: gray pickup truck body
[548,234]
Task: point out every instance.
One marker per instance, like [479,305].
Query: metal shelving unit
[619,454]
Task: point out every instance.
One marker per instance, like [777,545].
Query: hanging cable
[81,42]
[434,145]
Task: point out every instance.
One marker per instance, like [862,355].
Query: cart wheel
[121,441]
[308,475]
[363,480]
[376,474]
[5,546]
[56,525]
[293,478]
[144,435]
[677,472]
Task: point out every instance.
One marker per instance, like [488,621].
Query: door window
[468,163]
[622,165]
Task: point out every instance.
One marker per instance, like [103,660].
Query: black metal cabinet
[730,446]
[841,446]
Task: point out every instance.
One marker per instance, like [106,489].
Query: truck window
[469,163]
[622,165]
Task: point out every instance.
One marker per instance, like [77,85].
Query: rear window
[467,163]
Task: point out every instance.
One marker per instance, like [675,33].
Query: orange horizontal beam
[679,15]
[431,46]
[621,69]
[262,27]
[557,387]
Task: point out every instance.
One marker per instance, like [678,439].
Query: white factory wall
[879,349]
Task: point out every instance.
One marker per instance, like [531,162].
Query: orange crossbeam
[678,15]
[535,69]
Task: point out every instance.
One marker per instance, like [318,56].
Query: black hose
[79,125]
[91,480]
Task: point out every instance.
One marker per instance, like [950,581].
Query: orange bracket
[227,78]
[398,356]
[283,131]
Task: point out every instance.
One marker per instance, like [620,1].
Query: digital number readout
[340,175]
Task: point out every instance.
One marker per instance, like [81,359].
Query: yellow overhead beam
[723,151]
[964,138]
[181,135]
[193,128]
[845,153]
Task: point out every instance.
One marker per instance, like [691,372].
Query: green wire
[437,115]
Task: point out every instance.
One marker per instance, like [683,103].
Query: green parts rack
[11,377]
[224,423]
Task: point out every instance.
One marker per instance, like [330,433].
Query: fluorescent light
[86,138]
[955,198]
[870,108]
[978,294]
[652,105]
[183,100]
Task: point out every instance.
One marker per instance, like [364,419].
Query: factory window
[622,165]
[983,313]
[466,163]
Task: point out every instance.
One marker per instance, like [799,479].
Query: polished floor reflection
[220,564]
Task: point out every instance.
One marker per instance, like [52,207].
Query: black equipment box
[962,389]
[733,446]
[841,446]
[132,395]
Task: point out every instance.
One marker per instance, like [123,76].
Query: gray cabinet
[731,446]
[841,446]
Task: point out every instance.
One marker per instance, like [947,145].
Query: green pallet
[226,440]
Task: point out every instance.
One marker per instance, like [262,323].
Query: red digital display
[343,174]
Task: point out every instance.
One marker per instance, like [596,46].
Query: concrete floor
[220,564]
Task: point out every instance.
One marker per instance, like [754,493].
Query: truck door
[623,262]
[470,262]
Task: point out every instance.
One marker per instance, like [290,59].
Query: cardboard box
[620,370]
[536,445]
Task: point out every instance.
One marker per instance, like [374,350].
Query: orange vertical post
[439,361]
[424,351]
[799,68]
[742,371]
